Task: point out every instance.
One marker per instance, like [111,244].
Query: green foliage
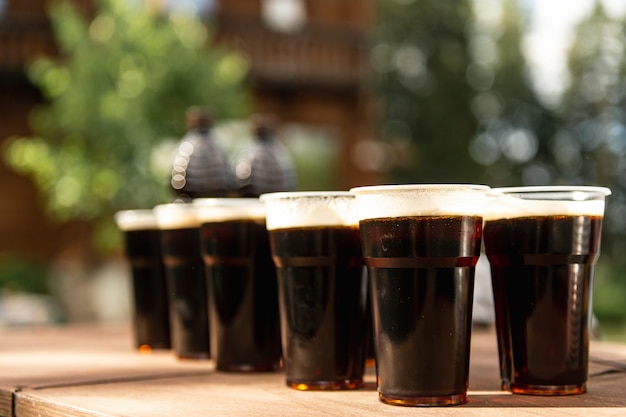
[23,275]
[591,145]
[594,126]
[115,99]
[515,128]
[420,56]
[455,87]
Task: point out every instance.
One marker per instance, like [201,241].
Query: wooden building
[308,66]
[24,33]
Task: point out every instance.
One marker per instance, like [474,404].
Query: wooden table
[90,370]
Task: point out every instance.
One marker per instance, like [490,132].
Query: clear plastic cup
[542,244]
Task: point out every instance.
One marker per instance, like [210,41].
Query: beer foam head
[513,202]
[176,216]
[136,220]
[419,200]
[309,209]
[225,209]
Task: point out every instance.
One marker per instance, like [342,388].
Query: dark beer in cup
[143,250]
[184,268]
[241,284]
[421,244]
[542,244]
[323,292]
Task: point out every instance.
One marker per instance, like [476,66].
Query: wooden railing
[318,55]
[23,37]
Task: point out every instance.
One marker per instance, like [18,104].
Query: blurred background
[93,97]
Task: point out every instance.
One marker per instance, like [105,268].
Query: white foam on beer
[136,219]
[509,203]
[176,216]
[225,209]
[309,209]
[419,200]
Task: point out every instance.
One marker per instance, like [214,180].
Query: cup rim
[176,215]
[135,219]
[285,195]
[547,189]
[417,187]
[134,212]
[173,205]
[224,201]
[215,210]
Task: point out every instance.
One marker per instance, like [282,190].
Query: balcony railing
[316,55]
[23,37]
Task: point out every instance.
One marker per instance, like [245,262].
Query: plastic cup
[322,289]
[421,244]
[143,251]
[241,284]
[184,269]
[542,244]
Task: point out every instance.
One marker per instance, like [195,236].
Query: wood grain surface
[94,371]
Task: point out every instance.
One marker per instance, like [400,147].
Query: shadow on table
[604,389]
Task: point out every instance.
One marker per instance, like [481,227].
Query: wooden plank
[40,357]
[77,337]
[6,402]
[247,395]
[218,393]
